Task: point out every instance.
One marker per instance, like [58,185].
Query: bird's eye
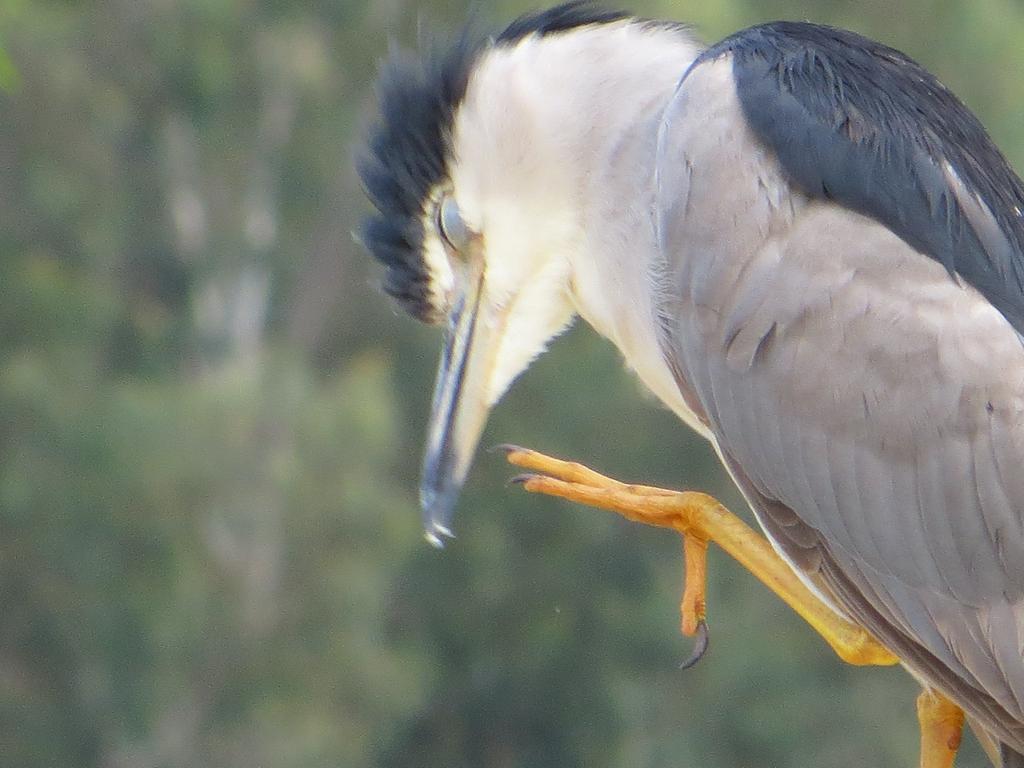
[450,224]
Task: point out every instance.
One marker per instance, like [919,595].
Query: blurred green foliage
[209,544]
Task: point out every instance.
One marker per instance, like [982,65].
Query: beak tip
[436,534]
[437,510]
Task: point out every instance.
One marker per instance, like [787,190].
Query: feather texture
[864,386]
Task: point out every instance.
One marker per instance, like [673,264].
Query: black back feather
[862,124]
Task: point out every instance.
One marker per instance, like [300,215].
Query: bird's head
[482,170]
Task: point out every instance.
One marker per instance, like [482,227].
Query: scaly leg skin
[700,519]
[692,607]
[942,725]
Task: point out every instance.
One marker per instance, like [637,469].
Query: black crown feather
[406,153]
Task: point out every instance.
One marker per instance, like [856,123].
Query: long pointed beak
[459,408]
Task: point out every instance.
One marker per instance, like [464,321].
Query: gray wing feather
[870,406]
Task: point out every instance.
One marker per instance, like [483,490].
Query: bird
[803,244]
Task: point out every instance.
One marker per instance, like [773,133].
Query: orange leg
[692,607]
[942,725]
[700,519]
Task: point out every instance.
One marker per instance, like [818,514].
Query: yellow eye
[450,224]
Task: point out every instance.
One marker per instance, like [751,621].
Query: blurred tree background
[210,551]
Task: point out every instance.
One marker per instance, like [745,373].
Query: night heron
[806,247]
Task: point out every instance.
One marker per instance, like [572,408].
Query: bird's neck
[618,274]
[557,141]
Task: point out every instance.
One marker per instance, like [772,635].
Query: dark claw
[700,646]
[505,448]
[520,479]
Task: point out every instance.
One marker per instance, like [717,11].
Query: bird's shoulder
[860,124]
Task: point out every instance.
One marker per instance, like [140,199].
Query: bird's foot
[700,519]
[576,482]
[942,725]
